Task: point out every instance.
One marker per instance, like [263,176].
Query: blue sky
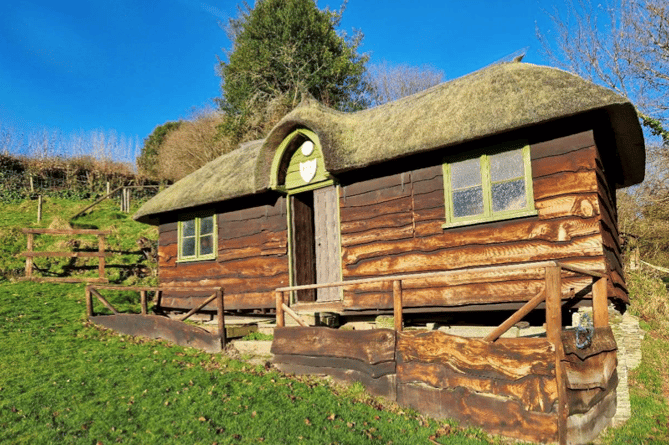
[128,66]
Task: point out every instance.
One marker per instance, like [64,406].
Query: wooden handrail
[66,231]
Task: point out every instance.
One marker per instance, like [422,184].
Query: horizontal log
[374,371]
[265,238]
[166,238]
[380,195]
[383,386]
[256,267]
[377,235]
[594,372]
[458,295]
[373,185]
[67,232]
[583,205]
[257,300]
[580,401]
[534,393]
[372,347]
[384,221]
[584,428]
[508,359]
[603,340]
[427,256]
[429,200]
[255,212]
[240,229]
[427,173]
[577,160]
[67,254]
[496,415]
[153,326]
[230,284]
[399,205]
[429,185]
[565,184]
[562,145]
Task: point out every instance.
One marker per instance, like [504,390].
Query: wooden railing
[216,294]
[551,295]
[100,254]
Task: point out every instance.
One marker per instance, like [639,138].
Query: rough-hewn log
[374,371]
[593,372]
[399,205]
[509,359]
[534,393]
[602,341]
[580,401]
[255,300]
[383,386]
[371,347]
[496,415]
[584,205]
[565,184]
[562,145]
[578,160]
[584,428]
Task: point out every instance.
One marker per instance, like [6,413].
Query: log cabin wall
[252,259]
[393,224]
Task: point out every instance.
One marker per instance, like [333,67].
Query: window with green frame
[197,238]
[491,186]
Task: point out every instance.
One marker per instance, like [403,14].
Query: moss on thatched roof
[491,101]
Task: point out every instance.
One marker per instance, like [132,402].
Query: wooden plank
[504,359]
[553,334]
[399,205]
[153,326]
[565,184]
[378,196]
[371,237]
[374,346]
[266,266]
[534,393]
[254,212]
[29,259]
[429,186]
[368,260]
[427,173]
[257,300]
[600,303]
[429,200]
[602,341]
[239,229]
[594,372]
[280,316]
[383,386]
[372,370]
[577,160]
[584,205]
[383,221]
[496,415]
[584,428]
[580,401]
[562,145]
[100,255]
[397,305]
[66,231]
[372,185]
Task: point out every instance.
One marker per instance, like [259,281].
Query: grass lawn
[63,380]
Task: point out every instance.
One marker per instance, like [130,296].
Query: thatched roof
[491,101]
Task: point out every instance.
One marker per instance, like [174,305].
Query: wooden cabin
[510,165]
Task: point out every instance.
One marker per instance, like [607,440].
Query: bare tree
[621,44]
[390,82]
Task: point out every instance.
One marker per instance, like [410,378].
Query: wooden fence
[31,253]
[158,326]
[538,389]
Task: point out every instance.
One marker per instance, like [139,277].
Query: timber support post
[29,259]
[280,317]
[600,303]
[142,300]
[554,335]
[101,259]
[397,304]
[221,319]
[89,301]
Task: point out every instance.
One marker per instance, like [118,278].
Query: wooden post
[142,299]
[108,187]
[128,192]
[280,317]
[397,304]
[39,208]
[32,185]
[221,319]
[101,251]
[122,197]
[554,335]
[89,302]
[29,258]
[600,303]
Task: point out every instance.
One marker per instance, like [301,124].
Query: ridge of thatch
[491,101]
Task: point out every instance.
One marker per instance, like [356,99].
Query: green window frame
[197,236]
[489,186]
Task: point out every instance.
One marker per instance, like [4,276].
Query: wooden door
[315,243]
[327,244]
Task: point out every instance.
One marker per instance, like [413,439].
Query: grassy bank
[65,381]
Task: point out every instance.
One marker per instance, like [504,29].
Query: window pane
[188,247]
[207,225]
[468,202]
[507,165]
[508,196]
[188,228]
[206,245]
[466,173]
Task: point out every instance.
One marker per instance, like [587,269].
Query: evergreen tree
[285,48]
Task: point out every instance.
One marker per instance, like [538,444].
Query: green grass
[126,265]
[63,380]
